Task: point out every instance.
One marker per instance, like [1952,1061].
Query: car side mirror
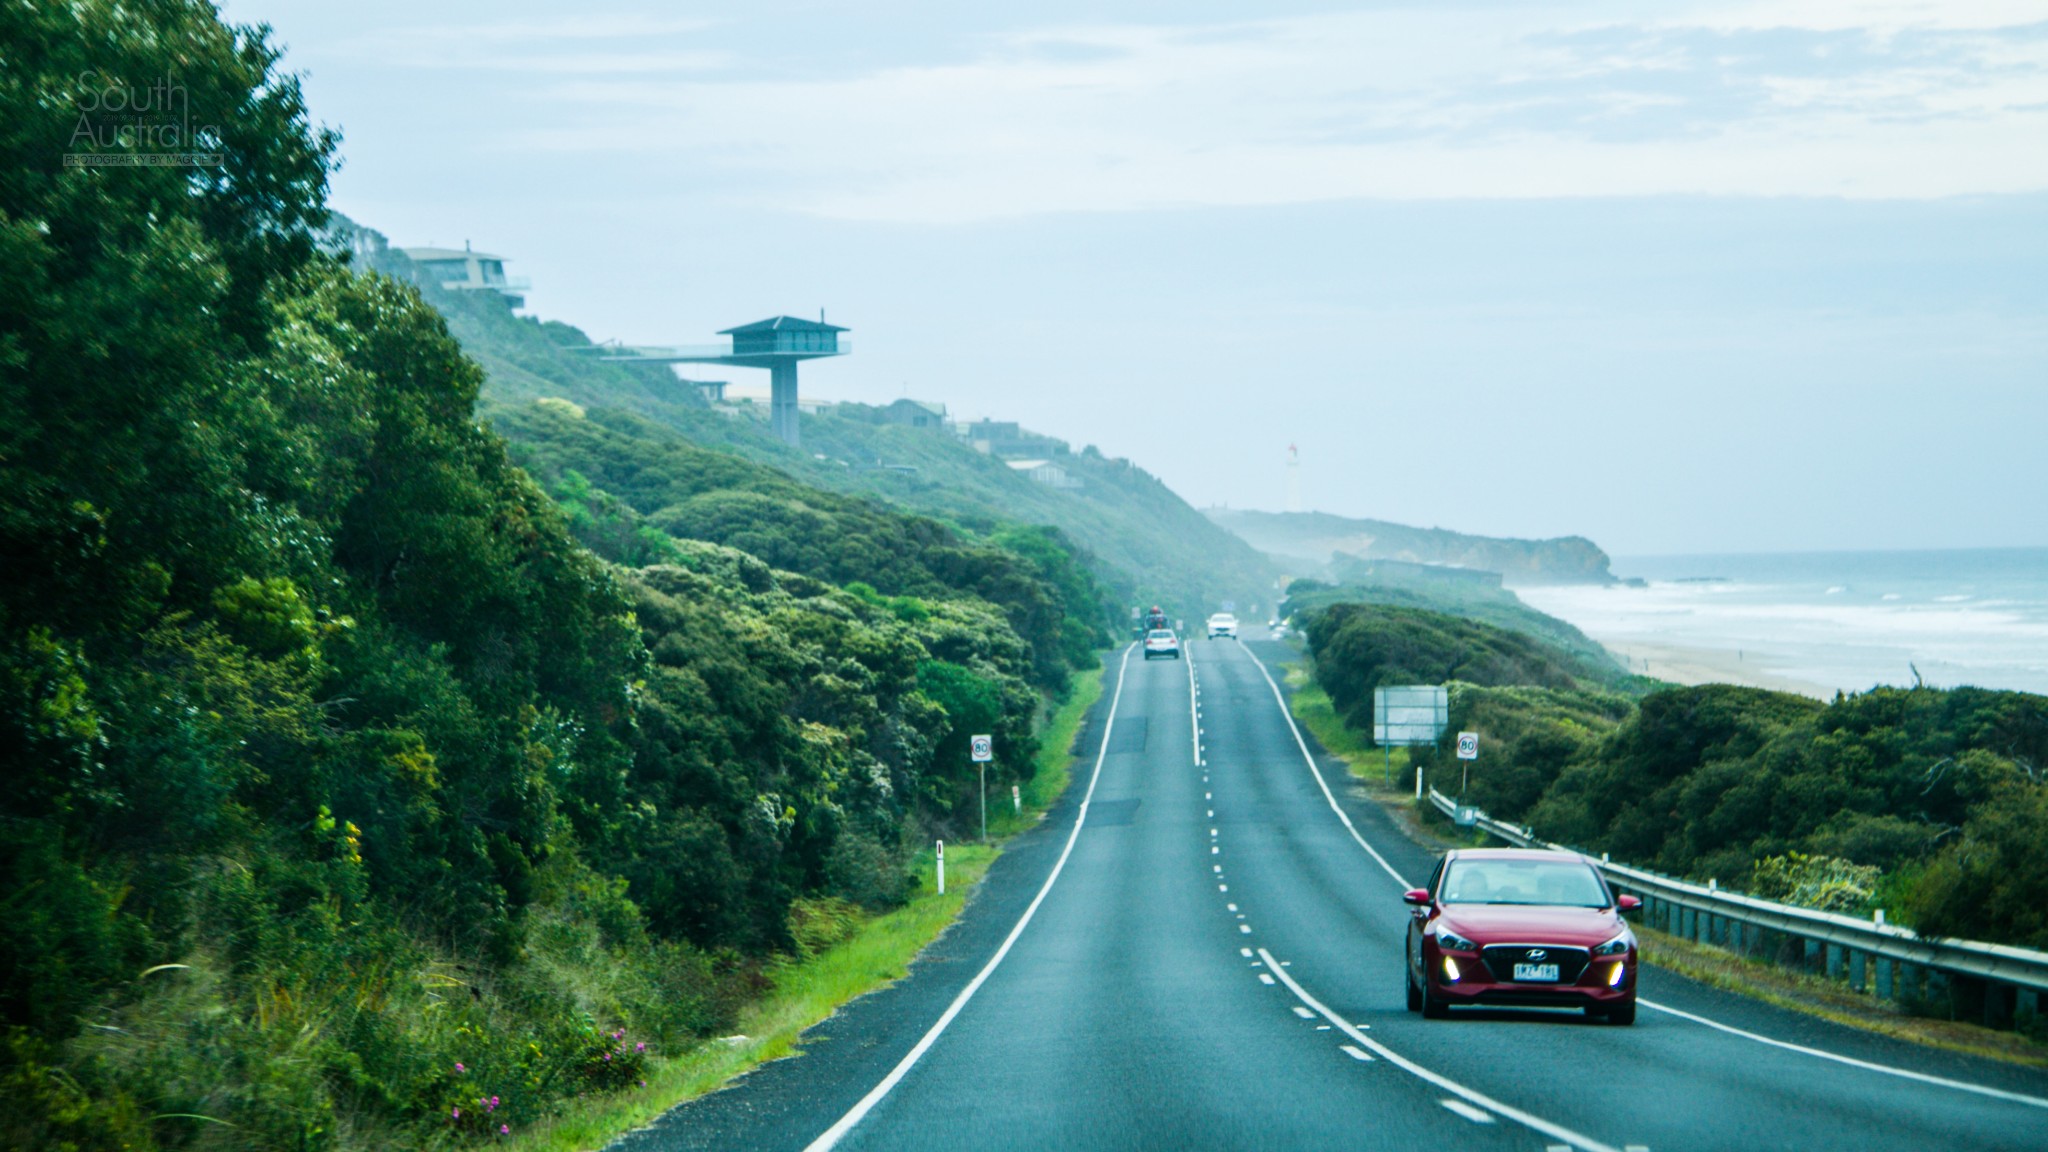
[1627,903]
[1416,896]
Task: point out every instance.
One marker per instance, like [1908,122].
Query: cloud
[1808,98]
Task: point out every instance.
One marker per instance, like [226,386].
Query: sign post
[983,749]
[1468,751]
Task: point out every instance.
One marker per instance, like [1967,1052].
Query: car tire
[1623,1014]
[1433,1008]
[1408,981]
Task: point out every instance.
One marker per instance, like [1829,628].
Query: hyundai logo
[1536,953]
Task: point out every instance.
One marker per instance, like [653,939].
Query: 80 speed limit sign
[1468,745]
[982,748]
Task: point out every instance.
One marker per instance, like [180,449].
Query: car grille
[1502,958]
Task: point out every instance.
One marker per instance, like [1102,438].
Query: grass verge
[805,991]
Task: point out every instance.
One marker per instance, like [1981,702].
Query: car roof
[1515,854]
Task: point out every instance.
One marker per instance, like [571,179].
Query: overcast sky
[1681,277]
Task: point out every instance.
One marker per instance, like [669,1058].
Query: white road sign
[982,748]
[1468,745]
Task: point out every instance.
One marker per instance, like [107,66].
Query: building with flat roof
[466,270]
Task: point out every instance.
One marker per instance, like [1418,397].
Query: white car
[1162,642]
[1222,624]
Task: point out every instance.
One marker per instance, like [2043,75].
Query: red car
[1515,926]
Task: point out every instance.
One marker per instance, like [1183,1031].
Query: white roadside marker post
[1017,799]
[942,867]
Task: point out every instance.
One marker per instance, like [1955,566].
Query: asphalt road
[1215,963]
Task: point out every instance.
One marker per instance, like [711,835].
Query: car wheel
[1623,1013]
[1408,981]
[1433,1008]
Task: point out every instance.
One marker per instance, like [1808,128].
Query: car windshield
[1501,881]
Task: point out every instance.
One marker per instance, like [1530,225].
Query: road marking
[1232,907]
[1318,773]
[1245,952]
[1245,928]
[1304,1013]
[1265,977]
[1207,796]
[1218,867]
[1212,813]
[1470,1095]
[837,1132]
[1223,887]
[1212,832]
[1356,1053]
[1467,1111]
[1214,850]
[1888,1070]
[1194,712]
[1819,1054]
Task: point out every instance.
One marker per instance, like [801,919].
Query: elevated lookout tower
[777,344]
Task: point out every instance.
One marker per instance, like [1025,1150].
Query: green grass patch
[870,952]
[1371,766]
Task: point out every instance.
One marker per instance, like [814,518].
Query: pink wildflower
[459,1067]
[455,1113]
[504,1129]
[640,1047]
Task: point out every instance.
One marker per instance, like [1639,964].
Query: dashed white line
[1357,1053]
[1232,907]
[1245,928]
[1245,952]
[1475,1115]
[1471,1095]
[1304,1013]
[1265,977]
[1819,1054]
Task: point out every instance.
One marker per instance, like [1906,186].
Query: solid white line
[837,1132]
[1473,1096]
[1888,1070]
[1467,1111]
[1819,1054]
[1194,711]
[1318,773]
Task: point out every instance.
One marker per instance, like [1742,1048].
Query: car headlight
[1451,941]
[1616,946]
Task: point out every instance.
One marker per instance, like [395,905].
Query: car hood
[1531,924]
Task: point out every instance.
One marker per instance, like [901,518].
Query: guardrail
[1871,956]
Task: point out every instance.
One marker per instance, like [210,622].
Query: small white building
[1044,472]
[465,270]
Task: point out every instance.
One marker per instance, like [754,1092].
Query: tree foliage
[1938,789]
[349,797]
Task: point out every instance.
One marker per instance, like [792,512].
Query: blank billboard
[1410,714]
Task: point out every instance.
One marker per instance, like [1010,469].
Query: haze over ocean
[1823,621]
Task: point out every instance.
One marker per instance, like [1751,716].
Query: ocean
[1820,622]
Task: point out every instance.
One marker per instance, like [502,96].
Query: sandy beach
[1690,665]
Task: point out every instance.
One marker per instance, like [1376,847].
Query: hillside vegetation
[1143,541]
[351,800]
[1927,802]
[1311,539]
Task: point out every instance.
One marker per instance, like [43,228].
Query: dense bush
[350,801]
[624,477]
[1930,799]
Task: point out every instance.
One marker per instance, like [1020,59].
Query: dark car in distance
[1520,927]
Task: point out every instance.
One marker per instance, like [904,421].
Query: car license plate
[1537,973]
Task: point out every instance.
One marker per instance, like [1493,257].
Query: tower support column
[782,401]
